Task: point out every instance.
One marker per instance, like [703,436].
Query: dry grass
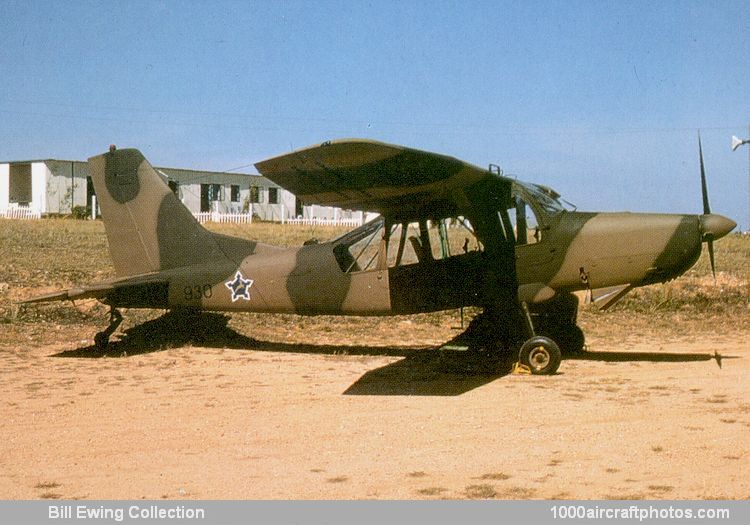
[52,254]
[279,234]
[482,491]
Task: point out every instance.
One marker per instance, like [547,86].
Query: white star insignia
[240,287]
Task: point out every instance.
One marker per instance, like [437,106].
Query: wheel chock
[519,368]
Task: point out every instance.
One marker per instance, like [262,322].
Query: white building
[51,186]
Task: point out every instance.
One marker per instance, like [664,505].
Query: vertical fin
[148,228]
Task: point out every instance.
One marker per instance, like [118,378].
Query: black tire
[572,340]
[541,354]
[101,341]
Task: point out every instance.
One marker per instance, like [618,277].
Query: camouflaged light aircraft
[449,235]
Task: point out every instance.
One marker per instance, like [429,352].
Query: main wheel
[541,354]
[572,340]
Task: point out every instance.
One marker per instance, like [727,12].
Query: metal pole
[736,143]
[72,189]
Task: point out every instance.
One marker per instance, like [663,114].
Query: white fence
[247,218]
[20,212]
[234,218]
[353,223]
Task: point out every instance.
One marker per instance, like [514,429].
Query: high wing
[367,175]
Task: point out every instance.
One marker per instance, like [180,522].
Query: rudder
[148,228]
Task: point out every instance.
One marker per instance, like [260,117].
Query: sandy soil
[236,417]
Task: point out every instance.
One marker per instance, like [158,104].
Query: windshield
[546,198]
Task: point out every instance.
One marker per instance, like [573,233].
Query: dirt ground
[296,408]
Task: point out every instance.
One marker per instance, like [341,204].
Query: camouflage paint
[164,258]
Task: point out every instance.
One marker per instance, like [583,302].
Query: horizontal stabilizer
[152,285]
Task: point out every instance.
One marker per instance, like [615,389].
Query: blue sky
[600,100]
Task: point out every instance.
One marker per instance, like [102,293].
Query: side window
[461,236]
[273,195]
[215,192]
[525,224]
[401,245]
[414,243]
[359,250]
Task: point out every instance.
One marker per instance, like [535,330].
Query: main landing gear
[539,354]
[500,330]
[101,340]
[557,319]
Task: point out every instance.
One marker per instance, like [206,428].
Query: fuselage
[574,251]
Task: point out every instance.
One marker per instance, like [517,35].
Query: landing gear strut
[503,329]
[538,353]
[101,340]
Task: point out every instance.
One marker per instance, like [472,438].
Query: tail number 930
[197,292]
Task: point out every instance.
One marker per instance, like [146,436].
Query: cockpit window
[525,224]
[370,247]
[412,243]
[546,198]
[358,250]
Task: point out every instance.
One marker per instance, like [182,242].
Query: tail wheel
[541,354]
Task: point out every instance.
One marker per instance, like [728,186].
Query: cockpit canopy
[398,241]
[544,198]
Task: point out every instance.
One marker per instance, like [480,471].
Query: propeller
[707,235]
[713,226]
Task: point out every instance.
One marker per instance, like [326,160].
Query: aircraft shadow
[652,357]
[433,372]
[173,329]
[422,371]
[210,330]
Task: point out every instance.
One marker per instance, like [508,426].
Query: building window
[273,195]
[254,194]
[214,192]
[235,193]
[19,184]
[210,193]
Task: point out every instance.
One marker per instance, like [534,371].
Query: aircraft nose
[716,226]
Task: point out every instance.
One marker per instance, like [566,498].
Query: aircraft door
[433,265]
[534,251]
